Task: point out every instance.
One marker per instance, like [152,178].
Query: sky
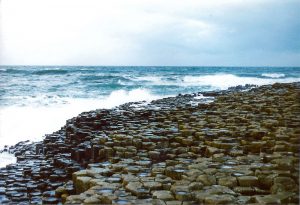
[150,32]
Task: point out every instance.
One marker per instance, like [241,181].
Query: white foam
[148,80]
[200,96]
[273,75]
[215,81]
[6,159]
[121,96]
[32,122]
[121,82]
[224,81]
[152,80]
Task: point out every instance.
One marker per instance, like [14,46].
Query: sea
[37,100]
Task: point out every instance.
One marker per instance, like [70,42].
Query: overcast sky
[150,32]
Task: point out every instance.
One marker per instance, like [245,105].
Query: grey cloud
[233,32]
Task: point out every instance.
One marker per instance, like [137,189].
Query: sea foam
[214,81]
[224,81]
[31,121]
[273,75]
[7,158]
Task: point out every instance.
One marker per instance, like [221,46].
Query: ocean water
[37,100]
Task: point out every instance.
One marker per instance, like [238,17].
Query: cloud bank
[144,32]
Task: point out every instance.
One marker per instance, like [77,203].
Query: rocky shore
[242,148]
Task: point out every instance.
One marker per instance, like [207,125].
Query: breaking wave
[273,75]
[34,120]
[224,81]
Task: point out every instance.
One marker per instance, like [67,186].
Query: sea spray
[33,121]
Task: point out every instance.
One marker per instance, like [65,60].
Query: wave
[34,71]
[126,83]
[224,81]
[34,100]
[50,72]
[273,75]
[119,97]
[152,80]
[155,79]
[103,78]
[214,81]
[34,121]
[144,80]
[14,71]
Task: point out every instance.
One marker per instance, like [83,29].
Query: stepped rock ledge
[239,146]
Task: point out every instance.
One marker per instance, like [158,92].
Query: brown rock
[247,181]
[153,185]
[283,184]
[219,199]
[163,195]
[228,181]
[82,184]
[207,180]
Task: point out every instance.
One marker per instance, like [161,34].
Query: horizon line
[234,66]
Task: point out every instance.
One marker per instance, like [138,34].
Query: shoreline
[242,145]
[195,98]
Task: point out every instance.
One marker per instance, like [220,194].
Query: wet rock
[173,202]
[154,155]
[195,186]
[50,200]
[270,199]
[211,151]
[121,202]
[215,190]
[92,200]
[82,184]
[219,199]
[283,184]
[163,195]
[228,181]
[241,148]
[175,173]
[183,195]
[207,180]
[4,199]
[247,181]
[134,187]
[153,185]
[75,199]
